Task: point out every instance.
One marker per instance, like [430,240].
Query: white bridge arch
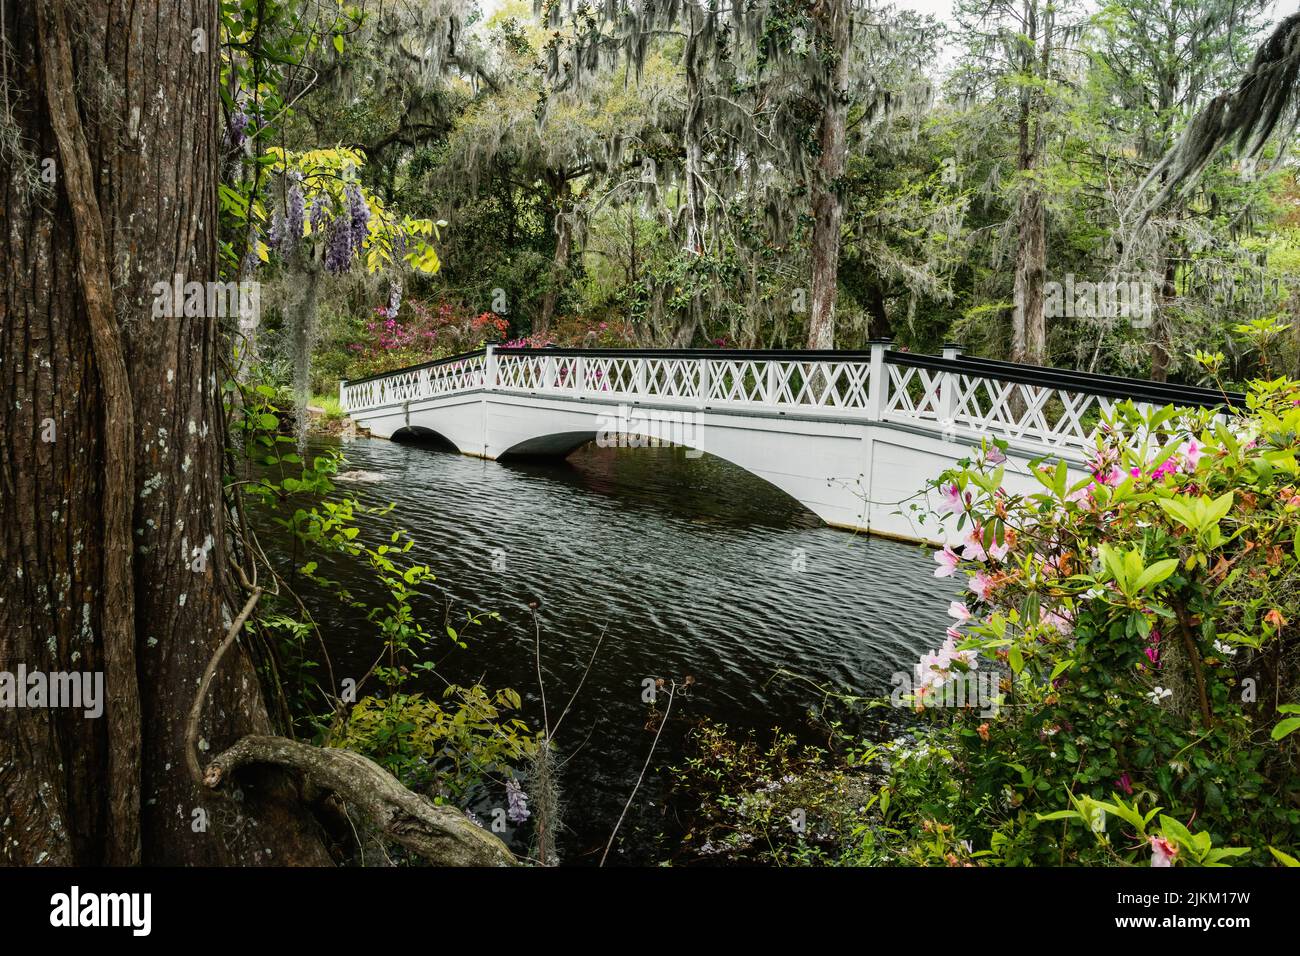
[853,436]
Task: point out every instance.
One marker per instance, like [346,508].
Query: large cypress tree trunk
[692,131]
[833,34]
[1029,321]
[95,391]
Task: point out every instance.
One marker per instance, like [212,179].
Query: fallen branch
[441,835]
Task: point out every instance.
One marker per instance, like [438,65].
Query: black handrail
[1109,386]
[463,357]
[716,354]
[1211,394]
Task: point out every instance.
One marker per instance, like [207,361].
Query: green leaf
[1220,507]
[1286,859]
[1178,510]
[1061,668]
[1288,726]
[1156,573]
[1179,833]
[1060,815]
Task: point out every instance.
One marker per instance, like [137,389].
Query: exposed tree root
[441,835]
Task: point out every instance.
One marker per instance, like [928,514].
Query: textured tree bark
[123,704]
[692,130]
[1161,347]
[832,19]
[1029,321]
[145,98]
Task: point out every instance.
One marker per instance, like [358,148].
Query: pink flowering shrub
[416,333]
[1141,617]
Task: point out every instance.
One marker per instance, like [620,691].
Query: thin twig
[541,686]
[196,710]
[632,796]
[591,660]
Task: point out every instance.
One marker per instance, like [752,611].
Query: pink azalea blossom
[1152,650]
[974,544]
[950,502]
[1082,497]
[1162,851]
[1191,452]
[1166,467]
[947,560]
[995,456]
[960,611]
[969,658]
[981,585]
[1124,784]
[1111,477]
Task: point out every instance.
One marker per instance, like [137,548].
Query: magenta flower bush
[1140,617]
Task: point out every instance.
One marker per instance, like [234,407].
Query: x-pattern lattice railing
[977,404]
[461,373]
[1050,409]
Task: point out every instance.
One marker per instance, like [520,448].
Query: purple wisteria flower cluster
[320,214]
[287,226]
[348,233]
[517,802]
[295,213]
[237,131]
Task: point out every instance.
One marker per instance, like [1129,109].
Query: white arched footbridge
[853,436]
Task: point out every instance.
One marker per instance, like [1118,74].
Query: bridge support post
[878,380]
[343,402]
[704,383]
[490,367]
[947,407]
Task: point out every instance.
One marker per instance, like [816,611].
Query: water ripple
[691,565]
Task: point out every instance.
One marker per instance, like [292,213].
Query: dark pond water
[689,565]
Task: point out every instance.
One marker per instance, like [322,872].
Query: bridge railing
[459,373]
[692,378]
[1033,406]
